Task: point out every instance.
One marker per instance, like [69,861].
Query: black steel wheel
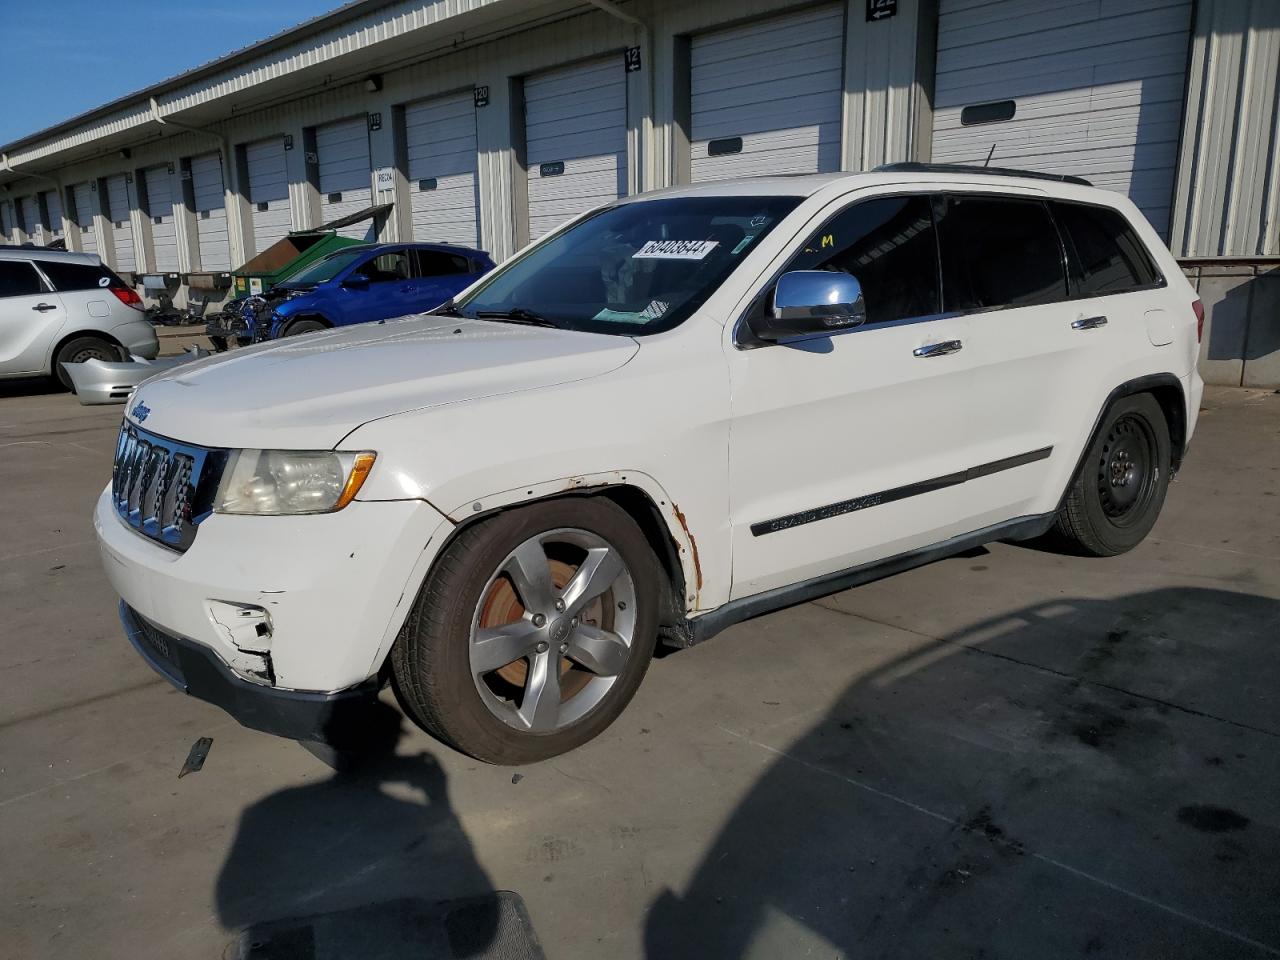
[1116,495]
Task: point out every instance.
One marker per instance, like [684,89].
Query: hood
[310,392]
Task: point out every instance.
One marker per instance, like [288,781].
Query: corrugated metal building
[489,121]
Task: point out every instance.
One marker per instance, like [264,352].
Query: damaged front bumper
[197,670]
[102,381]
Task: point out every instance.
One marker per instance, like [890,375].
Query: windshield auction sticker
[675,250]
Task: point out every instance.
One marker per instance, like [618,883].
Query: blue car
[360,284]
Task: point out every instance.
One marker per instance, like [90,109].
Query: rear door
[440,275]
[31,315]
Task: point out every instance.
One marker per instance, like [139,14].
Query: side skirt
[735,611]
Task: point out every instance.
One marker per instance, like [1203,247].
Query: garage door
[268,192]
[53,218]
[211,212]
[441,138]
[1081,88]
[31,219]
[121,227]
[164,236]
[85,199]
[343,151]
[6,223]
[576,141]
[766,97]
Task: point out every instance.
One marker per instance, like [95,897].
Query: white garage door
[343,150]
[441,139]
[6,223]
[31,219]
[53,222]
[210,212]
[576,141]
[85,199]
[268,192]
[1095,89]
[118,204]
[766,97]
[164,236]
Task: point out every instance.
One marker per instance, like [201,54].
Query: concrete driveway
[1007,754]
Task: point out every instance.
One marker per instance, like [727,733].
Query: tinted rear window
[18,279]
[437,263]
[999,252]
[67,276]
[1105,254]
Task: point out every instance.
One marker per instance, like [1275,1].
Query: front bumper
[331,589]
[196,670]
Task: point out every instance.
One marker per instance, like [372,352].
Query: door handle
[940,349]
[1089,323]
[42,307]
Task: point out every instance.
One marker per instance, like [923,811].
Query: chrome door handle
[1089,323]
[940,349]
[42,307]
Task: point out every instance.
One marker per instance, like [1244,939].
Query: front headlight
[276,482]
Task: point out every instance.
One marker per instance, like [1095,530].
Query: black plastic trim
[707,626]
[897,493]
[297,715]
[969,170]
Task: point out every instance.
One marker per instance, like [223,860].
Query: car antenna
[990,154]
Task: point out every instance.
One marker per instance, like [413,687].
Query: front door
[30,318]
[389,292]
[873,442]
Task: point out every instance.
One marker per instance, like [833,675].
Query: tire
[1117,493]
[304,326]
[79,349]
[439,660]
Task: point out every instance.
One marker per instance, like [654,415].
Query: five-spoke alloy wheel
[532,632]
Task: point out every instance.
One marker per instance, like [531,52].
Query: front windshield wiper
[515,315]
[446,309]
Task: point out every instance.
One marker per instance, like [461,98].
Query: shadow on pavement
[1081,778]
[368,863]
[30,387]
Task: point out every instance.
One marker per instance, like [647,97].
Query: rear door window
[999,252]
[888,245]
[18,278]
[1103,252]
[438,263]
[68,276]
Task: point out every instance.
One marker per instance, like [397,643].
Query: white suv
[676,412]
[58,307]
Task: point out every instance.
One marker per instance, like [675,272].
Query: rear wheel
[1116,496]
[532,632]
[80,349]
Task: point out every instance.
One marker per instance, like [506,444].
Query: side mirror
[812,303]
[356,282]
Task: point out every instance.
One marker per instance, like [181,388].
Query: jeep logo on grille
[140,411]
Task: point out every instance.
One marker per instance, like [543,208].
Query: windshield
[326,268]
[636,268]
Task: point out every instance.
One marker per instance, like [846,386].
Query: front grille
[162,488]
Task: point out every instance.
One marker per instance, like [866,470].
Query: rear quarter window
[1103,251]
[67,276]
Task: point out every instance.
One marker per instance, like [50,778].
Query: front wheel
[1117,493]
[304,326]
[532,632]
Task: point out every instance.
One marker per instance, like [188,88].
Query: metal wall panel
[53,218]
[1098,90]
[343,151]
[1228,196]
[575,140]
[268,191]
[440,141]
[210,212]
[119,204]
[31,221]
[776,84]
[86,203]
[164,235]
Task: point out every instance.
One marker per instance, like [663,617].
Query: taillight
[1198,309]
[130,299]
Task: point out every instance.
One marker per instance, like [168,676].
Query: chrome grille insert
[163,488]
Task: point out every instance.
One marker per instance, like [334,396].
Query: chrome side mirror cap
[812,303]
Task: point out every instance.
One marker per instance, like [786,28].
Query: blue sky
[63,57]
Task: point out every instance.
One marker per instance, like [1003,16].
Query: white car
[58,307]
[678,411]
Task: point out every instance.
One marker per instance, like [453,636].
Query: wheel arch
[299,318]
[64,339]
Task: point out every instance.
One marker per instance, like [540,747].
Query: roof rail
[970,170]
